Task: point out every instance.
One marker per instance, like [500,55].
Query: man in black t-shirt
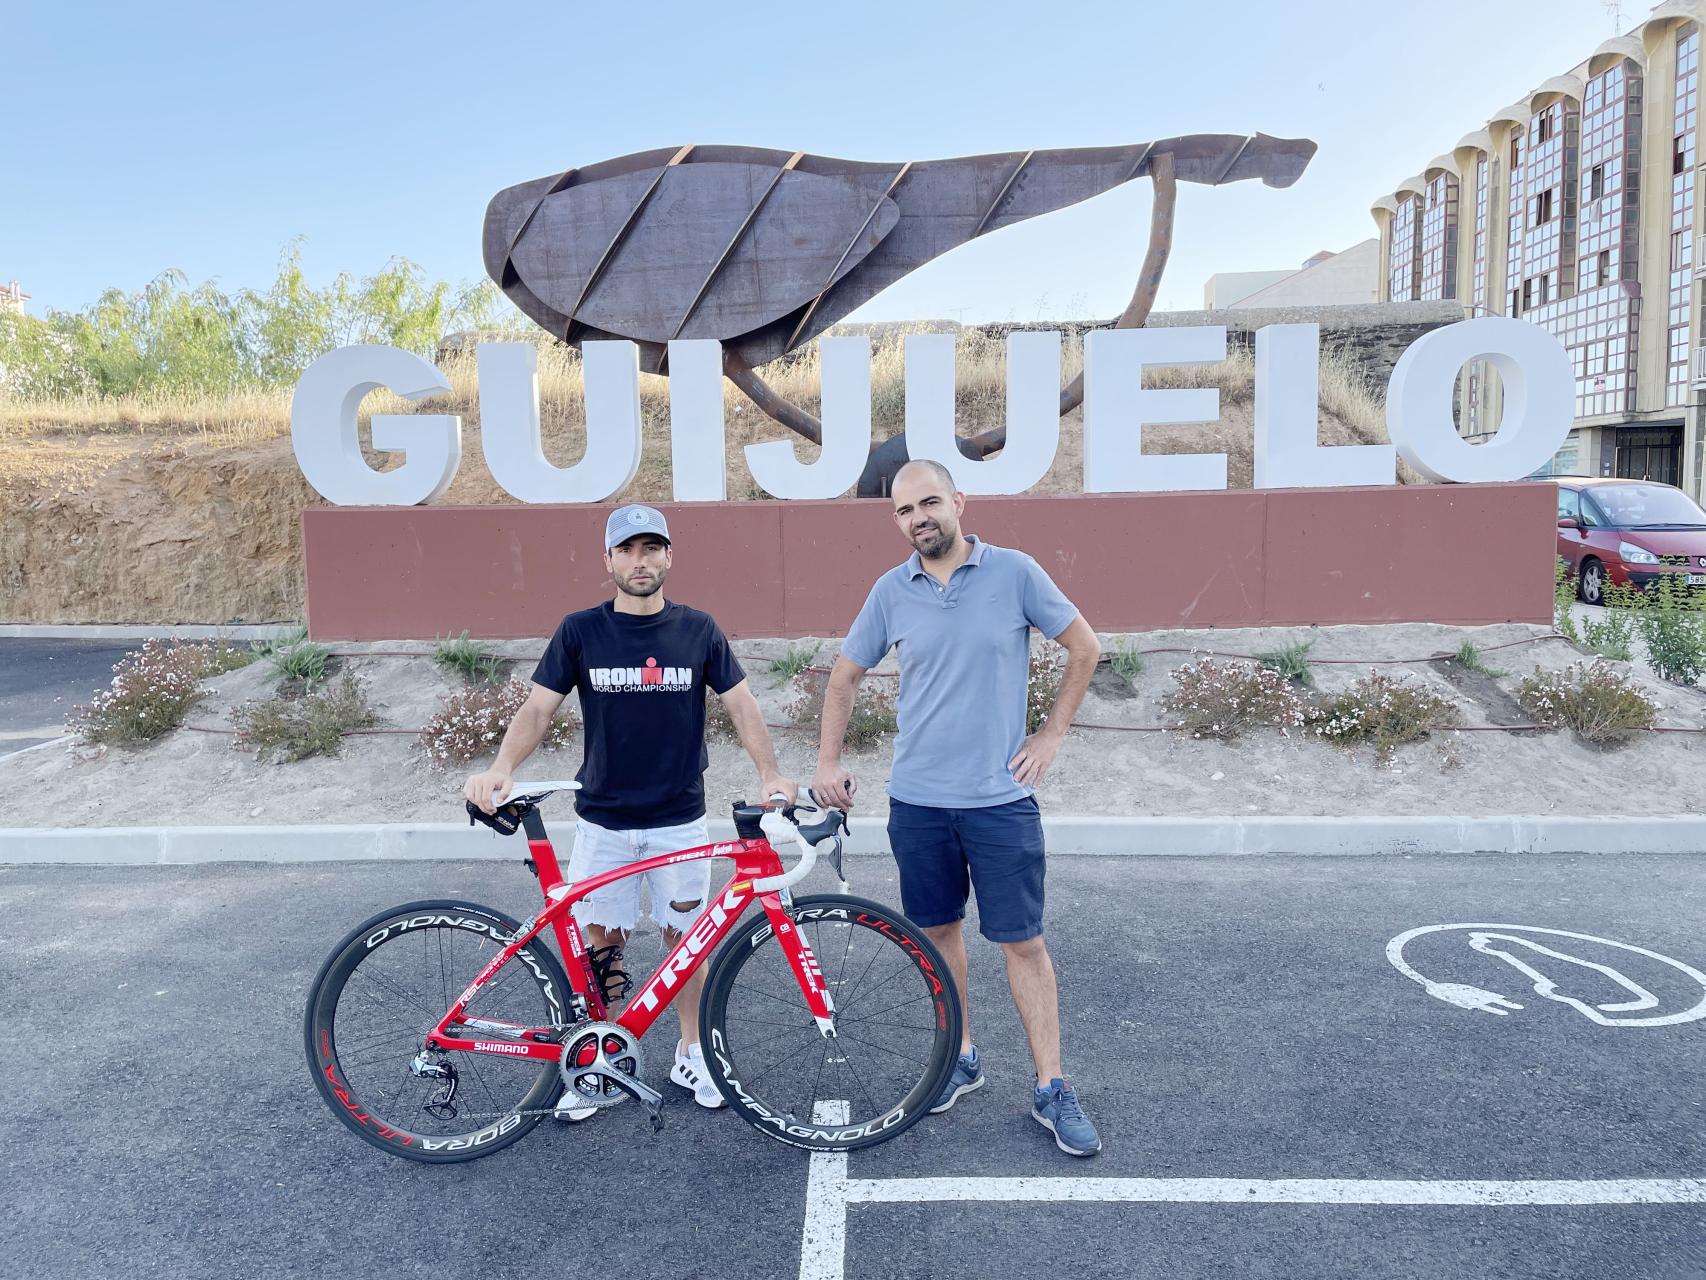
[641,665]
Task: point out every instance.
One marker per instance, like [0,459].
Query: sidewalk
[1090,836]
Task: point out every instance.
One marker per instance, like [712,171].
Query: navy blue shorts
[944,853]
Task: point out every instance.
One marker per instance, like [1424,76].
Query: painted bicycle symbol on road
[1613,984]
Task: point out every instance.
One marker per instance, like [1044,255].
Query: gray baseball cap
[630,522]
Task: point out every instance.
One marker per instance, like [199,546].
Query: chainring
[598,1044]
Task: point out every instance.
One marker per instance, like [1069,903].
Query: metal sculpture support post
[763,250]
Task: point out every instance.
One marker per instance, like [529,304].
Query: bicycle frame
[754,860]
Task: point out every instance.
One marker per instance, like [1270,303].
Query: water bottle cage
[613,982]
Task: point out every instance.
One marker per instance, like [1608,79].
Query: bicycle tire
[858,944]
[537,996]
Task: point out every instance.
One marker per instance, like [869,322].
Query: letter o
[1539,400]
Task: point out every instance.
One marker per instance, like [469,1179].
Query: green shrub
[1043,685]
[1292,662]
[1601,706]
[1384,712]
[284,729]
[1673,628]
[471,724]
[1469,658]
[1613,635]
[286,640]
[794,661]
[470,659]
[1212,698]
[152,690]
[303,661]
[1564,602]
[1126,662]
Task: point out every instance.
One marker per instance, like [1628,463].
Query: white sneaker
[689,1072]
[567,1110]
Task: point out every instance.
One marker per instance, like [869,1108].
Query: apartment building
[1578,209]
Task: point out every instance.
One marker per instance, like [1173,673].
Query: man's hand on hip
[1036,754]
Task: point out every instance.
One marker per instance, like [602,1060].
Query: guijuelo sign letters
[1535,371]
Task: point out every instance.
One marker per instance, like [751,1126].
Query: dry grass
[73,439]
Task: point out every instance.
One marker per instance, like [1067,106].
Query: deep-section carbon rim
[383,989]
[897,1026]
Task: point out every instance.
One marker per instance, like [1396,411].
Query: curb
[141,631]
[1080,836]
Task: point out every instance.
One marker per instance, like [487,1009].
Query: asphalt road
[1224,1018]
[41,680]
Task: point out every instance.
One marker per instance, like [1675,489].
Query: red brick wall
[1465,554]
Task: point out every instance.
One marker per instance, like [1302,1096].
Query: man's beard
[935,542]
[649,589]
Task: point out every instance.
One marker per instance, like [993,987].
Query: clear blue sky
[203,137]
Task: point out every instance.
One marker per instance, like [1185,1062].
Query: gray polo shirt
[964,667]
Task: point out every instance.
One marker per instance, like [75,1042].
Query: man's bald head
[927,507]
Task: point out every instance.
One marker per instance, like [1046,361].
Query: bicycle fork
[779,907]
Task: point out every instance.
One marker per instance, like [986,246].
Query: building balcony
[1697,367]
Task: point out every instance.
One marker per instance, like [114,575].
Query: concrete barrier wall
[1462,554]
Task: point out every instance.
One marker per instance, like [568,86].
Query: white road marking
[823,1241]
[1358,1191]
[1482,937]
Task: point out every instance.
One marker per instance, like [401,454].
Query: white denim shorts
[617,905]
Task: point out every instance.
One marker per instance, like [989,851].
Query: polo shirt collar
[915,562]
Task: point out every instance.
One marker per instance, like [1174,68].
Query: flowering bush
[719,725]
[868,724]
[1602,706]
[471,724]
[1217,699]
[1383,711]
[151,692]
[312,725]
[1043,686]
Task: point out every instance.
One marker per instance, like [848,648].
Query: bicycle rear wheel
[380,993]
[897,1022]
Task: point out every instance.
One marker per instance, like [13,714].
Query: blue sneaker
[1056,1109]
[966,1077]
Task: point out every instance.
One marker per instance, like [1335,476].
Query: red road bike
[444,1030]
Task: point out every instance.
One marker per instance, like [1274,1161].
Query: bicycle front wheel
[380,993]
[897,1026]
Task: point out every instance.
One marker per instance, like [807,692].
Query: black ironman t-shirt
[642,682]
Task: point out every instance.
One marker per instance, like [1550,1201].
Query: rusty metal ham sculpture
[763,250]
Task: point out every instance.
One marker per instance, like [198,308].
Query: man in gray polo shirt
[962,813]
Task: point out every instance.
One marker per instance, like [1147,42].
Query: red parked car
[1628,531]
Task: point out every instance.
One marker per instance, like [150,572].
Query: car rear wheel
[1592,583]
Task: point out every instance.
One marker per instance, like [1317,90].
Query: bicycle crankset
[600,1065]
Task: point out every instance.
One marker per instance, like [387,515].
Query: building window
[1543,294]
[1604,266]
[1545,128]
[1596,182]
[1543,208]
[1527,294]
[1678,154]
[1516,303]
[1516,151]
[1678,250]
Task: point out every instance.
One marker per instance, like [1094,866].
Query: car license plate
[1697,579]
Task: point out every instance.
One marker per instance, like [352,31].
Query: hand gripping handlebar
[822,835]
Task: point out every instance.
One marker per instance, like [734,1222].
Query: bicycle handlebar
[812,838]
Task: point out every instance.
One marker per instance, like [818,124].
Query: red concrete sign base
[1460,554]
